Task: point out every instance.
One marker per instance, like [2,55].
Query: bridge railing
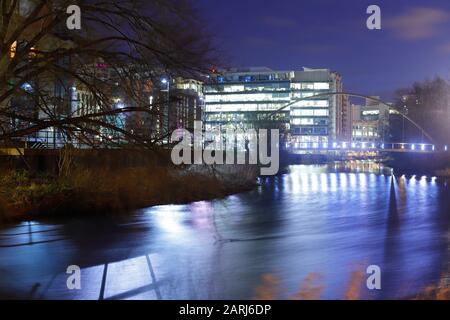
[366,146]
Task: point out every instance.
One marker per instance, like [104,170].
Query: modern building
[370,121]
[179,103]
[264,98]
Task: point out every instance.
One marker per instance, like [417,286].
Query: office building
[370,121]
[264,98]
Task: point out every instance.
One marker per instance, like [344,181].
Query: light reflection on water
[327,220]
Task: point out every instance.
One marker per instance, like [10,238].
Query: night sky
[414,43]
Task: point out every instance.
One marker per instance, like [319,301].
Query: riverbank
[112,189]
[434,164]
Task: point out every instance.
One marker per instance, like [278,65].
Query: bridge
[361,147]
[346,147]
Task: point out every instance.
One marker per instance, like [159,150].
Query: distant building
[370,121]
[256,98]
[189,102]
[344,119]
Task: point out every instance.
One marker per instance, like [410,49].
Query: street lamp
[165,81]
[405,112]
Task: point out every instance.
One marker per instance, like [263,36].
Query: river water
[310,232]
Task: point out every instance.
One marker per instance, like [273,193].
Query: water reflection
[330,220]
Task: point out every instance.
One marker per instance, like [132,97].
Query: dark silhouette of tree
[427,103]
[116,61]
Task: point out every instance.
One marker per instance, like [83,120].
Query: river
[310,232]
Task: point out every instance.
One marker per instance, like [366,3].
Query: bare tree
[82,84]
[427,103]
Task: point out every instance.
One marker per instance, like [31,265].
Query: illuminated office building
[370,121]
[260,98]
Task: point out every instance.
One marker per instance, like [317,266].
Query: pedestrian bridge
[315,147]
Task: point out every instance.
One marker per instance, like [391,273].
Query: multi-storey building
[179,103]
[344,119]
[264,98]
[370,121]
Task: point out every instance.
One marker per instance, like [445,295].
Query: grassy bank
[110,190]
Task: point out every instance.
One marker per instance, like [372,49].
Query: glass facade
[263,98]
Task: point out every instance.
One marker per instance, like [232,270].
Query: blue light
[315,145]
[433,147]
[334,145]
[363,145]
[382,146]
[27,87]
[164,81]
[373,145]
[446,148]
[353,145]
[422,147]
[325,145]
[344,145]
[413,147]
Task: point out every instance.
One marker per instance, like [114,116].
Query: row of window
[310,139]
[273,86]
[310,112]
[245,107]
[247,97]
[309,121]
[255,77]
[311,86]
[236,117]
[311,103]
[310,130]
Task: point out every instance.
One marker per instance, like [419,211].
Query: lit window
[32,53]
[13,50]
[321,86]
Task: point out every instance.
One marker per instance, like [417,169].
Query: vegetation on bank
[87,190]
[312,288]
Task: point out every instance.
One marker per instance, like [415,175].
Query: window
[312,103]
[320,130]
[309,112]
[306,130]
[321,113]
[321,86]
[13,50]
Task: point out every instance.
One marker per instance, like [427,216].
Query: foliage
[428,104]
[110,189]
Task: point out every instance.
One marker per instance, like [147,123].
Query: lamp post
[405,112]
[166,82]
